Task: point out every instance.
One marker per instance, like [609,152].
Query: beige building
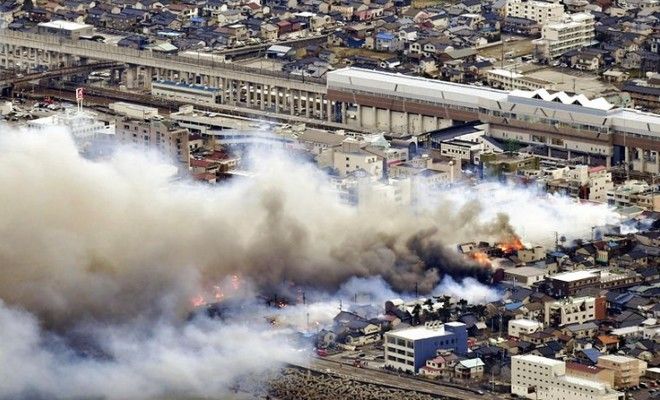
[525,276]
[540,378]
[539,11]
[166,137]
[579,182]
[510,80]
[570,311]
[634,193]
[627,370]
[518,327]
[572,32]
[351,157]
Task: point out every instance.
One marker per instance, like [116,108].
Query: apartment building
[352,157]
[573,32]
[634,193]
[574,311]
[539,11]
[580,182]
[164,136]
[510,80]
[409,349]
[540,378]
[627,370]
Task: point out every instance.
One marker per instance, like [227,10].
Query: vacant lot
[514,48]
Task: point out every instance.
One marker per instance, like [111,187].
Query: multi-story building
[570,283]
[627,370]
[539,11]
[164,136]
[409,349]
[580,182]
[518,327]
[540,378]
[510,80]
[634,193]
[574,310]
[84,126]
[352,157]
[573,32]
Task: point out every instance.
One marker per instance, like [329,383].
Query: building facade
[574,311]
[409,349]
[627,370]
[540,378]
[539,11]
[572,32]
[168,138]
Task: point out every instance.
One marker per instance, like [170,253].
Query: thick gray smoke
[115,239]
[102,260]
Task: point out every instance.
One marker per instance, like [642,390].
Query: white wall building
[518,327]
[351,157]
[539,11]
[535,377]
[570,311]
[572,32]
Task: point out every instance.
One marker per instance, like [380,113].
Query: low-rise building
[635,193]
[591,373]
[525,276]
[518,327]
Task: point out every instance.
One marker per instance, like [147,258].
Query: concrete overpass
[11,80]
[375,100]
[20,49]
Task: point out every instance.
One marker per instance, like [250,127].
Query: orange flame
[512,245]
[198,301]
[481,258]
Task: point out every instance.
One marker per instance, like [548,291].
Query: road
[393,380]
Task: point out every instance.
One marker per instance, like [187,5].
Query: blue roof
[592,354]
[385,36]
[513,306]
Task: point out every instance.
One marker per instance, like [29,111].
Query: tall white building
[84,126]
[574,31]
[539,11]
[540,378]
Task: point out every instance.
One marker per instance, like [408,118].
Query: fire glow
[481,258]
[511,246]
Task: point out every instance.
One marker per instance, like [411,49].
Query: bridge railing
[109,49]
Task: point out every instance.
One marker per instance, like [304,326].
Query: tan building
[627,370]
[164,136]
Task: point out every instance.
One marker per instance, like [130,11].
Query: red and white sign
[79,94]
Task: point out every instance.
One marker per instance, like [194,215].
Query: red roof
[200,163]
[583,368]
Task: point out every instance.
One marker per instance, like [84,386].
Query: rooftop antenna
[341,306]
[416,291]
[304,299]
